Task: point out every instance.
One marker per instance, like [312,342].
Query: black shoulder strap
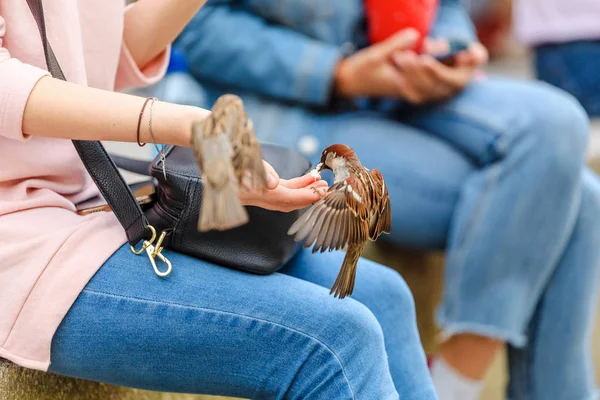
[95,158]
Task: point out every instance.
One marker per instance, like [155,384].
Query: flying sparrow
[355,209]
[229,158]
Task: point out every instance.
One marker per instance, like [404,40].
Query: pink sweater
[556,21]
[47,252]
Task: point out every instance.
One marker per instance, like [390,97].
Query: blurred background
[573,65]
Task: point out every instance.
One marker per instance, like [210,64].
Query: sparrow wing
[382,218]
[220,208]
[339,219]
[247,157]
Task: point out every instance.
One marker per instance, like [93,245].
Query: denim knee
[346,358]
[392,289]
[354,324]
[559,127]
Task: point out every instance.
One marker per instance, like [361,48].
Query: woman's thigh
[383,291]
[209,329]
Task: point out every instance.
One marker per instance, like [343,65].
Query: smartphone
[456,47]
[142,200]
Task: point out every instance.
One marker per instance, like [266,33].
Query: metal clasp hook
[154,252]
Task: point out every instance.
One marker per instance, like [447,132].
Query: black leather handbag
[261,246]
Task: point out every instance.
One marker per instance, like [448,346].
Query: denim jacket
[286,49]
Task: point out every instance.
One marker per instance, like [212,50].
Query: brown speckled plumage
[355,209]
[229,159]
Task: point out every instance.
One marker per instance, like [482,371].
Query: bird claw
[320,191]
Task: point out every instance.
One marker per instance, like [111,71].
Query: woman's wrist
[171,123]
[190,115]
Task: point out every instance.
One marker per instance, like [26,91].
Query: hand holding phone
[455,47]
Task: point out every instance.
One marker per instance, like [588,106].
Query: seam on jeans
[455,328]
[458,258]
[186,306]
[454,115]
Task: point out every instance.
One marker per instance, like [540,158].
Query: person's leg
[557,364]
[423,174]
[384,293]
[572,67]
[209,329]
[515,217]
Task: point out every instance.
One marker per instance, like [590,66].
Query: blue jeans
[574,67]
[496,177]
[212,330]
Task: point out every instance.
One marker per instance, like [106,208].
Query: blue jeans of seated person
[496,177]
[574,67]
[212,330]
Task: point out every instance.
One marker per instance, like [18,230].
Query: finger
[480,52]
[294,199]
[394,79]
[454,77]
[401,40]
[475,56]
[439,89]
[423,79]
[319,184]
[299,182]
[414,73]
[412,87]
[436,46]
[272,176]
[285,199]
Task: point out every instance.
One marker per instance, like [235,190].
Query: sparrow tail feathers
[344,283]
[221,208]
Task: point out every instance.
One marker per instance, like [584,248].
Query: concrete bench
[18,383]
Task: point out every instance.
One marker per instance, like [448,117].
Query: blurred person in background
[490,169]
[565,37]
[493,22]
[76,301]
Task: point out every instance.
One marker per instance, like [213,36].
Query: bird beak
[319,167]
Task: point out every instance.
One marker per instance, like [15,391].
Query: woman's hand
[371,72]
[428,80]
[283,194]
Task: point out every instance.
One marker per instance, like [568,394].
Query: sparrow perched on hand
[229,158]
[354,209]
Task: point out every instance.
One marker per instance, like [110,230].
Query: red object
[386,17]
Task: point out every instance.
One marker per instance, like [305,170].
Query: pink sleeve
[16,83]
[130,76]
